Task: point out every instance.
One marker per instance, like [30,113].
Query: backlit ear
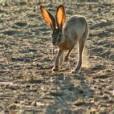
[60,16]
[49,19]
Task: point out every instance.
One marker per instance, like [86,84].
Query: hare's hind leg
[81,46]
[56,67]
[67,56]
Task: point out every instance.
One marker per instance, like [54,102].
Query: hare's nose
[54,43]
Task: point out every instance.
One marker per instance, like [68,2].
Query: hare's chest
[66,45]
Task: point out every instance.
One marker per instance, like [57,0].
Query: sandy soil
[27,83]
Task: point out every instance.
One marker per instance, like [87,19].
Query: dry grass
[27,82]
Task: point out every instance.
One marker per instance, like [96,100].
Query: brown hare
[66,33]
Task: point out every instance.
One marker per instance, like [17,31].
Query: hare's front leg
[56,67]
[67,56]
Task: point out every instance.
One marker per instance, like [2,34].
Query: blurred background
[55,1]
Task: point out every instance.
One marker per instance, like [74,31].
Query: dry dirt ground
[27,83]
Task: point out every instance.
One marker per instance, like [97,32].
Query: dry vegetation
[27,83]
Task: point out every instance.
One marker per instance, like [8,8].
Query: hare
[66,33]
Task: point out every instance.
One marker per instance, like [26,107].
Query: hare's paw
[76,69]
[78,66]
[73,71]
[66,58]
[55,69]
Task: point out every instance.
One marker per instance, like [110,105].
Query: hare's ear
[49,19]
[60,16]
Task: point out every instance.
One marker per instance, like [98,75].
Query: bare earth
[27,83]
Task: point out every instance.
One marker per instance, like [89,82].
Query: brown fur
[66,45]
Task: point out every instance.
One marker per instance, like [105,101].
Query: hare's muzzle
[54,43]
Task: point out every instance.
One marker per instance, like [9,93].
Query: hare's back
[75,26]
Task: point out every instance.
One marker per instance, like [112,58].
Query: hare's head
[55,23]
